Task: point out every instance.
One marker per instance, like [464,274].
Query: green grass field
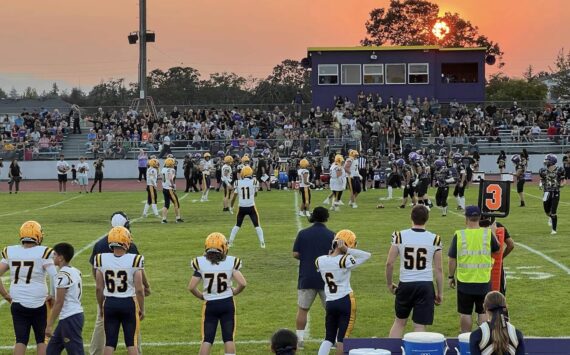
[537,289]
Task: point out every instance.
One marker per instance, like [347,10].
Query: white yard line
[41,208]
[540,197]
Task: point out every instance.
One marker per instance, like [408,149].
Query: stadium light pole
[142,49]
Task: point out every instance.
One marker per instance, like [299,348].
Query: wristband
[451,277]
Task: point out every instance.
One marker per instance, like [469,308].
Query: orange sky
[74,44]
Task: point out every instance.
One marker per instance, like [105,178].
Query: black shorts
[441,196]
[394,180]
[354,184]
[119,312]
[67,336]
[247,211]
[25,319]
[340,317]
[422,187]
[459,191]
[150,195]
[417,296]
[222,311]
[520,185]
[170,195]
[292,175]
[305,195]
[465,303]
[567,173]
[551,203]
[408,191]
[62,177]
[206,180]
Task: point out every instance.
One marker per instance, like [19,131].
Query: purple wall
[322,95]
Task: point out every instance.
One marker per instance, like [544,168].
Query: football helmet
[170,162]
[119,237]
[413,157]
[31,232]
[550,159]
[353,153]
[370,151]
[216,242]
[304,163]
[246,171]
[120,219]
[339,159]
[516,158]
[266,152]
[293,154]
[439,164]
[220,154]
[317,152]
[154,163]
[207,156]
[443,152]
[457,157]
[228,159]
[245,159]
[347,236]
[309,154]
[197,156]
[400,162]
[391,156]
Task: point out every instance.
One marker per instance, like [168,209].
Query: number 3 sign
[494,198]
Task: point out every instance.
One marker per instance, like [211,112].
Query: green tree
[13,94]
[177,85]
[3,94]
[561,75]
[109,93]
[283,82]
[410,22]
[30,93]
[54,92]
[76,96]
[223,88]
[503,88]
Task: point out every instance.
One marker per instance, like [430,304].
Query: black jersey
[442,176]
[551,179]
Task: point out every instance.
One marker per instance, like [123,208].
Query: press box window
[452,73]
[418,73]
[373,74]
[350,74]
[395,73]
[328,74]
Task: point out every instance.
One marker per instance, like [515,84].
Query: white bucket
[463,344]
[369,351]
[424,343]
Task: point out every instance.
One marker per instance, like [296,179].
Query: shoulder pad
[317,263]
[237,263]
[98,260]
[342,261]
[195,264]
[138,261]
[5,253]
[397,237]
[437,240]
[47,253]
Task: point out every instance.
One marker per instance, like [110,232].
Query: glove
[450,180]
[415,183]
[540,185]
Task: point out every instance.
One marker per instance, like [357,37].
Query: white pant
[98,338]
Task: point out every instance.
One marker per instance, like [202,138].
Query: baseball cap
[472,211]
[119,219]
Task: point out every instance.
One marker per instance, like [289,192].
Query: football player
[169,190]
[292,163]
[551,180]
[459,191]
[29,264]
[151,186]
[67,306]
[422,182]
[408,178]
[206,167]
[218,163]
[337,181]
[335,270]
[216,270]
[442,179]
[304,188]
[247,189]
[394,176]
[520,169]
[263,170]
[120,291]
[418,249]
[227,182]
[501,161]
[353,177]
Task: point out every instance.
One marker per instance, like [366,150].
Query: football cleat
[179,220]
[347,236]
[216,242]
[553,232]
[326,201]
[31,232]
[262,245]
[119,237]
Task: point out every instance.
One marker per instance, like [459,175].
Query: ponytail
[495,303]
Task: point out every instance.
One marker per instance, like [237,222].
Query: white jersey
[227,174]
[216,278]
[166,172]
[353,170]
[335,271]
[70,278]
[206,166]
[119,273]
[28,269]
[246,189]
[62,167]
[152,177]
[82,169]
[416,248]
[337,183]
[301,174]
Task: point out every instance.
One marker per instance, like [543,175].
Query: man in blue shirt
[311,243]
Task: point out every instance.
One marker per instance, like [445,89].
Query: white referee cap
[119,219]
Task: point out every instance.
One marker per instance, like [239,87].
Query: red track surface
[52,186]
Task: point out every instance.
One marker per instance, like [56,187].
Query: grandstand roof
[18,105]
[392,48]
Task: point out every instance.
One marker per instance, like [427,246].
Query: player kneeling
[217,269]
[335,270]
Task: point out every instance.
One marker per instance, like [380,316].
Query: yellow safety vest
[474,262]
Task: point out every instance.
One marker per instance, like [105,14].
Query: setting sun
[440,30]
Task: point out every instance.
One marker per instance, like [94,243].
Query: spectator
[143,164]
[98,165]
[62,170]
[15,175]
[311,243]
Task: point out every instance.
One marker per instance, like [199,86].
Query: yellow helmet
[245,159]
[207,155]
[339,159]
[216,242]
[246,171]
[304,163]
[353,153]
[347,236]
[228,159]
[31,231]
[170,162]
[119,237]
[154,163]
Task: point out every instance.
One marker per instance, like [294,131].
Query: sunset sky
[80,43]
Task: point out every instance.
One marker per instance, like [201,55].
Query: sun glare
[440,30]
